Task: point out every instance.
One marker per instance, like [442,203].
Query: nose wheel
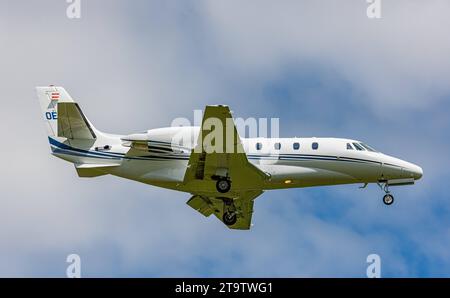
[388,199]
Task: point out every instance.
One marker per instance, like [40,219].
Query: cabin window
[296,146]
[349,146]
[315,145]
[277,146]
[358,147]
[258,146]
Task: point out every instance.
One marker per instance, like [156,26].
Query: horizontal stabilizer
[94,170]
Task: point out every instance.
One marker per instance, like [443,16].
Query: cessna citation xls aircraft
[224,177]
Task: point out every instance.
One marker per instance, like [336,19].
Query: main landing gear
[388,199]
[229,218]
[229,214]
[223,185]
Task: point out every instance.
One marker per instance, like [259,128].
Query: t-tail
[71,135]
[56,104]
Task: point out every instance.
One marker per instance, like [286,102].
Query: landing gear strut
[388,199]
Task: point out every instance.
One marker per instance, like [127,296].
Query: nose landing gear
[388,199]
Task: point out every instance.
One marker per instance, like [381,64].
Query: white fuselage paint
[330,164]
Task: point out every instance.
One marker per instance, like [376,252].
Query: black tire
[229,218]
[223,185]
[388,199]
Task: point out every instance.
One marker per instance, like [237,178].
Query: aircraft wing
[219,153]
[214,205]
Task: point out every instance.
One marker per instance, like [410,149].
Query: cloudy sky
[322,67]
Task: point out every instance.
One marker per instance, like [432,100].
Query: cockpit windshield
[358,147]
[368,147]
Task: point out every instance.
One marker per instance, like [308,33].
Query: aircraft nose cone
[416,171]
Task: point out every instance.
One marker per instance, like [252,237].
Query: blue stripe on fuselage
[69,150]
[66,149]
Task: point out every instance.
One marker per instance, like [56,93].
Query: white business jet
[223,176]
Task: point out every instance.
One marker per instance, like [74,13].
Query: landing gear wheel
[388,199]
[229,218]
[223,185]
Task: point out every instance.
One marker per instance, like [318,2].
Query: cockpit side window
[349,146]
[358,147]
[368,147]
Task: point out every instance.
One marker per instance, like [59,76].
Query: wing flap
[202,205]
